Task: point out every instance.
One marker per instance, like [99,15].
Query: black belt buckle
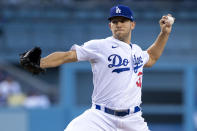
[117,113]
[121,113]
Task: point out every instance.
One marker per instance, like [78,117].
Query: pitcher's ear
[133,23]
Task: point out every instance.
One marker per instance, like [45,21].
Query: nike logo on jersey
[116,61]
[137,62]
[114,46]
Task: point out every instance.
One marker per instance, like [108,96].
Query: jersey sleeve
[86,52]
[145,56]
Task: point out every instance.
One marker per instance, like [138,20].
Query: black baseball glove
[30,61]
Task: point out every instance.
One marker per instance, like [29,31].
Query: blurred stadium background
[48,102]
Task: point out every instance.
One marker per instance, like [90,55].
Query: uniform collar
[121,42]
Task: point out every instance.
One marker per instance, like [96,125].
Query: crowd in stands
[12,95]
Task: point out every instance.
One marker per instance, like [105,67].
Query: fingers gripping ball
[170,19]
[30,60]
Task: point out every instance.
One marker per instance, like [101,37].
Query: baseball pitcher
[117,66]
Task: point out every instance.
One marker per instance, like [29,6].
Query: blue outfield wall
[52,119]
[20,119]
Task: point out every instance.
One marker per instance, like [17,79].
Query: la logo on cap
[118,10]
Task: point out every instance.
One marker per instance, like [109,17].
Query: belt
[118,112]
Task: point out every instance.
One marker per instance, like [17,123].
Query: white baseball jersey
[117,71]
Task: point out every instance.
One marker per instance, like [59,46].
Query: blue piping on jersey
[120,70]
[130,45]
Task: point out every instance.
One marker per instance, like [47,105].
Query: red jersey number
[139,82]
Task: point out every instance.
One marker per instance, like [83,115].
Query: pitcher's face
[121,27]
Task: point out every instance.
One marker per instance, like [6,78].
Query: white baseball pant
[97,120]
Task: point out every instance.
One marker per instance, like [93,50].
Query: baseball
[170,19]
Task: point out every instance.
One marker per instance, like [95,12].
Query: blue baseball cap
[121,10]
